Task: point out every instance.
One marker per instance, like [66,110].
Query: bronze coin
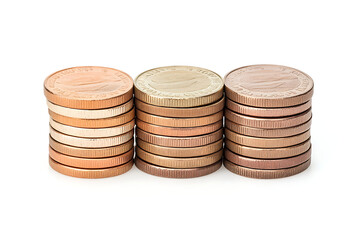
[90,173]
[267,173]
[268,153]
[266,163]
[256,122]
[179,141]
[267,132]
[176,172]
[179,131]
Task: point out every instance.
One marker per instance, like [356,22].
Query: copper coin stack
[179,121]
[92,120]
[267,120]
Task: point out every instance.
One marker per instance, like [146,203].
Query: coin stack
[92,120]
[267,120]
[179,121]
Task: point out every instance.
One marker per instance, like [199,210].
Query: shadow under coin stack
[91,121]
[267,120]
[179,121]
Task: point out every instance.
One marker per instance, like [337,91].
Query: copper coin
[179,131]
[181,112]
[179,141]
[179,122]
[94,123]
[268,153]
[92,132]
[88,87]
[179,86]
[267,112]
[90,173]
[267,173]
[263,132]
[265,163]
[266,142]
[91,142]
[268,86]
[256,122]
[91,162]
[179,162]
[176,172]
[180,152]
[91,152]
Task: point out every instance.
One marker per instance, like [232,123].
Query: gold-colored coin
[179,122]
[92,132]
[266,142]
[178,86]
[91,152]
[91,114]
[179,162]
[91,142]
[180,151]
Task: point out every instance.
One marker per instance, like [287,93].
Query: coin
[179,122]
[268,86]
[181,112]
[179,162]
[178,86]
[265,163]
[266,142]
[256,122]
[91,114]
[90,173]
[91,162]
[180,152]
[176,172]
[94,123]
[263,132]
[267,112]
[179,141]
[91,152]
[91,142]
[266,174]
[88,87]
[268,153]
[179,131]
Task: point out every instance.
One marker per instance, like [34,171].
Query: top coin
[178,86]
[268,86]
[88,87]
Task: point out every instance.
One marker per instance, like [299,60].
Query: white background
[320,38]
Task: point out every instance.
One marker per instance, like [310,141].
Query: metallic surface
[91,152]
[90,173]
[181,112]
[266,142]
[88,87]
[179,141]
[92,132]
[268,86]
[270,133]
[94,123]
[180,152]
[179,122]
[91,162]
[266,163]
[176,172]
[268,153]
[256,122]
[266,174]
[91,142]
[178,86]
[91,114]
[179,131]
[267,112]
